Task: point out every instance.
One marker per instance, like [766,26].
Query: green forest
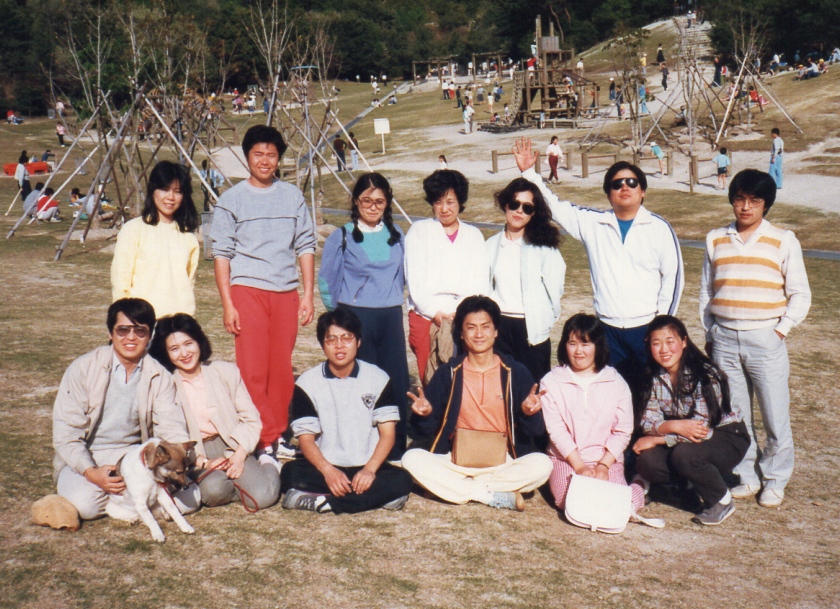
[210,44]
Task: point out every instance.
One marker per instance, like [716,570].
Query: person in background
[777,149]
[722,162]
[22,176]
[214,179]
[60,131]
[339,146]
[555,156]
[354,151]
[660,157]
[442,164]
[46,209]
[30,203]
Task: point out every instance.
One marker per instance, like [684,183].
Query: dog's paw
[158,536]
[187,529]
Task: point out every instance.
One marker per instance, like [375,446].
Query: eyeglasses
[747,202]
[617,184]
[345,339]
[139,331]
[368,202]
[527,208]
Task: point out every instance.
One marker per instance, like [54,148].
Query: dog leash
[242,492]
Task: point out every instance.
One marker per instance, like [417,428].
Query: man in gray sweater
[260,227]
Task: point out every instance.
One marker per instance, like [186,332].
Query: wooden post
[569,161]
[636,158]
[584,164]
[537,166]
[691,175]
[494,159]
[670,163]
[695,167]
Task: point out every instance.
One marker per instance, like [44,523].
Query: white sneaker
[771,498]
[268,459]
[745,491]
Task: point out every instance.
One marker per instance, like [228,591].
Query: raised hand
[523,154]
[532,404]
[420,405]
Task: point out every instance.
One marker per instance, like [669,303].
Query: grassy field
[430,554]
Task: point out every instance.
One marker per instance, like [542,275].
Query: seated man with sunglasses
[110,400]
[635,260]
[344,415]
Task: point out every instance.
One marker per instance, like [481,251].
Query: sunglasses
[527,208]
[139,331]
[617,184]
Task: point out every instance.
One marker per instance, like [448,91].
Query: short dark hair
[75,191]
[621,166]
[39,186]
[366,182]
[160,178]
[49,190]
[442,181]
[138,311]
[474,304]
[169,325]
[590,329]
[263,134]
[723,151]
[539,231]
[756,183]
[776,131]
[342,317]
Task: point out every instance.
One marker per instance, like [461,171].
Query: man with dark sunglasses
[110,400]
[634,257]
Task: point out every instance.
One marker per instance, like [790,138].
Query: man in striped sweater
[753,291]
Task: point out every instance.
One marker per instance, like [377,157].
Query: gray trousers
[260,481]
[756,363]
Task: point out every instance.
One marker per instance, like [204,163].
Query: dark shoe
[716,514]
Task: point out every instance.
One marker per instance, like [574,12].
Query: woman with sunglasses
[156,256]
[362,268]
[635,261]
[527,273]
[221,417]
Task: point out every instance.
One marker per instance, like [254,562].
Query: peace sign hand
[420,405]
[532,404]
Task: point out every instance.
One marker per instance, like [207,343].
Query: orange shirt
[482,402]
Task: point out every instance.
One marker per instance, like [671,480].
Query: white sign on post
[381,126]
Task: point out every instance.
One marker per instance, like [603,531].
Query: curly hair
[366,182]
[539,231]
[442,181]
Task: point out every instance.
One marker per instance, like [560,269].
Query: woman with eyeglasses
[221,418]
[635,262]
[527,273]
[362,268]
[156,256]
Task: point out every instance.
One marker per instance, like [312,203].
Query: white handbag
[602,506]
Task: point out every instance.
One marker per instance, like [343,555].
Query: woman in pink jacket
[588,411]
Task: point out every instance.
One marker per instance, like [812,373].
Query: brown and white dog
[147,469]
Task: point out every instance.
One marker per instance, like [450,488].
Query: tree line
[69,48]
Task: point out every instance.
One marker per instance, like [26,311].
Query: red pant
[268,330]
[419,341]
[552,163]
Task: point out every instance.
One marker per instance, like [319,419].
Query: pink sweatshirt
[591,420]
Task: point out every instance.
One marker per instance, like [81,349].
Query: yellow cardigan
[156,263]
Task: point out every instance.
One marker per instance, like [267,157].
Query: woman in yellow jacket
[157,254]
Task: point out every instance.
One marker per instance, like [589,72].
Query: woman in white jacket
[527,273]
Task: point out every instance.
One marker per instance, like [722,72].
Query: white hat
[610,78]
[653,144]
